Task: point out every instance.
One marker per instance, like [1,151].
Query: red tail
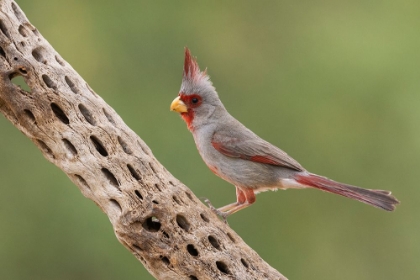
[377,198]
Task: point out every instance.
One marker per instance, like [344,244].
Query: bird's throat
[188,118]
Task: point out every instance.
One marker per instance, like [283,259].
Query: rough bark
[154,215]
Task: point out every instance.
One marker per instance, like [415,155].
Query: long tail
[377,198]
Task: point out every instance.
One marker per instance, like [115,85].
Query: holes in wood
[59,60]
[192,277]
[155,201]
[222,267]
[133,172]
[58,112]
[48,82]
[4,29]
[182,222]
[98,146]
[244,263]
[214,242]
[175,198]
[111,178]
[115,204]
[157,187]
[138,194]
[137,247]
[165,260]
[165,234]
[30,115]
[189,196]
[19,81]
[108,116]
[152,224]
[18,13]
[2,53]
[87,114]
[192,250]
[231,237]
[45,148]
[204,217]
[23,71]
[70,147]
[70,83]
[152,167]
[36,32]
[124,146]
[22,30]
[38,55]
[81,181]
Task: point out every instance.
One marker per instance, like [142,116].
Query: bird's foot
[219,213]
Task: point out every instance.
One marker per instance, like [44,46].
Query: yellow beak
[178,106]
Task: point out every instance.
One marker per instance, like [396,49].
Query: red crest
[191,68]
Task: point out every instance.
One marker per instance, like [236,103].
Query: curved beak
[178,106]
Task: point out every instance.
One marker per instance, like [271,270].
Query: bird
[237,155]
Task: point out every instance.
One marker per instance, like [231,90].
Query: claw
[219,213]
[207,201]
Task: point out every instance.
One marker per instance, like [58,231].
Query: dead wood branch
[154,215]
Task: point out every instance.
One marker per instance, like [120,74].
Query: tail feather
[377,198]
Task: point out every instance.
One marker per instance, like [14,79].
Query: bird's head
[197,100]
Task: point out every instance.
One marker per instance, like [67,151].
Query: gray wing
[247,145]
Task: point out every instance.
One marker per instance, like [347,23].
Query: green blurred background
[334,83]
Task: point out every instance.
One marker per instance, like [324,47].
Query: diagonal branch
[154,215]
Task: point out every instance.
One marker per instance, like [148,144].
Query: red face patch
[191,101]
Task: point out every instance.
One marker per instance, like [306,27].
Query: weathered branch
[154,215]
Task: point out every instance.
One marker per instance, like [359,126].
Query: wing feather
[249,146]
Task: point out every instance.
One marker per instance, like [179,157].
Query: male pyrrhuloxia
[239,156]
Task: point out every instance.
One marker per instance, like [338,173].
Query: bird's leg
[226,208]
[240,199]
[249,200]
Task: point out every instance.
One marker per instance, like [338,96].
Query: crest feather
[191,68]
[194,80]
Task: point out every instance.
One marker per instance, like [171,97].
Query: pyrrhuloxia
[239,156]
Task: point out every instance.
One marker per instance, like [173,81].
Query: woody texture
[156,217]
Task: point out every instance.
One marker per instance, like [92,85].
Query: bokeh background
[336,84]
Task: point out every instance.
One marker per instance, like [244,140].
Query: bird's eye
[194,100]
